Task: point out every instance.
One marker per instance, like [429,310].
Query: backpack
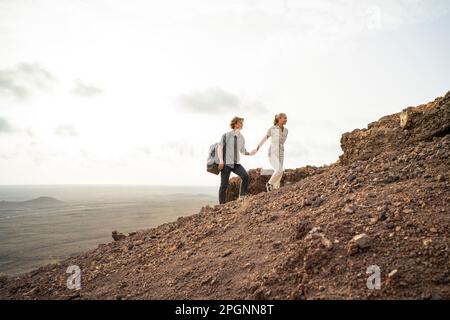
[212,162]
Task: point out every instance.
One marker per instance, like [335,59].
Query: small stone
[382,216]
[277,245]
[361,240]
[227,253]
[393,273]
[317,202]
[180,244]
[349,209]
[117,235]
[391,178]
[3,278]
[302,229]
[405,119]
[358,242]
[315,230]
[326,243]
[392,276]
[298,293]
[427,242]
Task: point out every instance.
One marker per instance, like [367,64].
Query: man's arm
[243,150]
[220,152]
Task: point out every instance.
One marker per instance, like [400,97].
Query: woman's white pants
[277,165]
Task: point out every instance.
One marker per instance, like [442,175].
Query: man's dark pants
[225,176]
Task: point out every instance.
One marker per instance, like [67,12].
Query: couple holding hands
[232,143]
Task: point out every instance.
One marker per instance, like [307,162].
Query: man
[229,162]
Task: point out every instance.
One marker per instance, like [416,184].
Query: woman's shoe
[269,187]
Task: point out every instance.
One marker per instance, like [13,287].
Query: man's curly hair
[234,121]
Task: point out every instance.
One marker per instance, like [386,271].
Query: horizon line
[107,184]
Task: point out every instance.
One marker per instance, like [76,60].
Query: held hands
[221,166]
[254,151]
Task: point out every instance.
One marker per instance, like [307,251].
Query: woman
[278,133]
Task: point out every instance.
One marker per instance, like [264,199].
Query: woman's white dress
[276,153]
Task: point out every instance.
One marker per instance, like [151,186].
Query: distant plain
[44,230]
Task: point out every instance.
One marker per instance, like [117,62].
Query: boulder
[118,235]
[259,177]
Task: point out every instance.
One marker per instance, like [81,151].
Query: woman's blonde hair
[278,117]
[234,121]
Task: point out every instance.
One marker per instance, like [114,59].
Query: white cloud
[24,79]
[66,130]
[5,126]
[215,100]
[86,90]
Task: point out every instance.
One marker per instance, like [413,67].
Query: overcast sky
[135,92]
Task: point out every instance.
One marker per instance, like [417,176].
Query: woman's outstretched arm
[261,143]
[263,140]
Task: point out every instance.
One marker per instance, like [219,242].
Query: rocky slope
[385,202]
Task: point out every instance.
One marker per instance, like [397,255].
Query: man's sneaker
[242,198]
[269,187]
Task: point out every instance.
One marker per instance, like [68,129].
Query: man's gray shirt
[229,147]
